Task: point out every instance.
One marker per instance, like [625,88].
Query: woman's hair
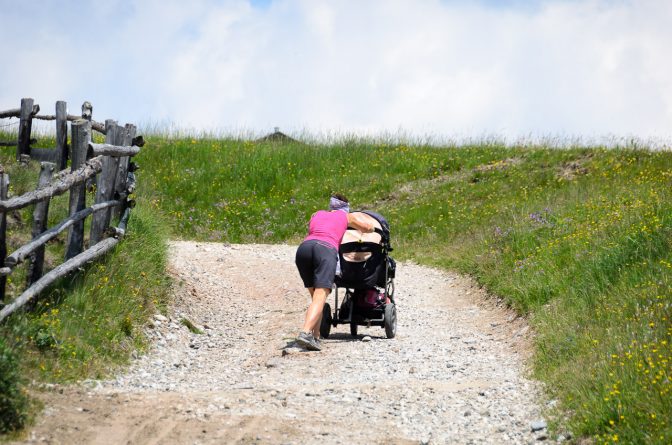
[339,197]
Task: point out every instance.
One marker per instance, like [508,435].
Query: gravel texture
[454,374]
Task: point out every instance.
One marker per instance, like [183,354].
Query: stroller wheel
[390,320]
[325,325]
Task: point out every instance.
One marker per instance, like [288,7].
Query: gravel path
[453,374]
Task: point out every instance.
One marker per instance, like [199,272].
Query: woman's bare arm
[361,222]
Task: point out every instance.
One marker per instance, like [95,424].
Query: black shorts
[316,261]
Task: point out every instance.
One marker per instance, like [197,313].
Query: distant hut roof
[276,136]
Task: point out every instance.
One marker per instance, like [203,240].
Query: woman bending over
[317,257]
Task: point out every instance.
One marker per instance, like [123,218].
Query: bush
[13,400]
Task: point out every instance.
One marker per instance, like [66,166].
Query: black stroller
[367,274]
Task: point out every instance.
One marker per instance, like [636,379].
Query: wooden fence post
[105,182]
[129,135]
[4,185]
[40,218]
[81,136]
[25,125]
[122,177]
[87,111]
[61,135]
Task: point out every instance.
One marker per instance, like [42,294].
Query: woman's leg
[314,312]
[312,292]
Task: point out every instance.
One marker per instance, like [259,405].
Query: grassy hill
[576,239]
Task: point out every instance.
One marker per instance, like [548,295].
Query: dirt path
[454,374]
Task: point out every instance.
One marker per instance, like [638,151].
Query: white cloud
[448,68]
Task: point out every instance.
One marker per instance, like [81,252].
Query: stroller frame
[385,313]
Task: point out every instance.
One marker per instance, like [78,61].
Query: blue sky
[454,69]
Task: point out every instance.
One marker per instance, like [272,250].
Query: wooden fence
[107,164]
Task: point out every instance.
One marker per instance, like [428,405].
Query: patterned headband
[337,204]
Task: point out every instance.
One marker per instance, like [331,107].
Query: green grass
[577,239]
[85,325]
[14,402]
[88,324]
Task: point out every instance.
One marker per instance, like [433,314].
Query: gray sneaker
[309,342]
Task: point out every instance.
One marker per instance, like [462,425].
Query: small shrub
[126,326]
[192,327]
[13,400]
[44,340]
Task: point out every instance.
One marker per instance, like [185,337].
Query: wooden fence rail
[29,111]
[108,163]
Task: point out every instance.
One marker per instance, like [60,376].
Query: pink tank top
[328,227]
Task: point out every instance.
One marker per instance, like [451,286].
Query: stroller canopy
[384,226]
[364,256]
